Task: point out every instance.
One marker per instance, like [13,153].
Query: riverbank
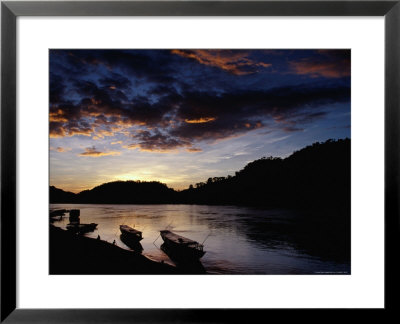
[73,254]
[238,240]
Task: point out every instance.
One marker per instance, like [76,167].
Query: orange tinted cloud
[200,120]
[150,149]
[58,119]
[327,70]
[60,149]
[101,133]
[188,96]
[57,116]
[92,152]
[236,62]
[329,64]
[194,149]
[57,130]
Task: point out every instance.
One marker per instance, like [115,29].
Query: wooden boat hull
[130,234]
[57,213]
[181,255]
[180,250]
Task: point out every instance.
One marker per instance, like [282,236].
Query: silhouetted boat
[187,264]
[57,215]
[81,228]
[130,233]
[57,212]
[182,247]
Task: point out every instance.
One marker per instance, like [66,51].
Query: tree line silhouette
[315,176]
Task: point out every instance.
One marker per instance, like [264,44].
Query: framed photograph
[189,161]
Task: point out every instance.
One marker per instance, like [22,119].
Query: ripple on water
[239,240]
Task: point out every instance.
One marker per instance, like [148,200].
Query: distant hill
[129,192]
[118,192]
[315,176]
[61,196]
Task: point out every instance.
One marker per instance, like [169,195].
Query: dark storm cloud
[100,105]
[57,88]
[68,64]
[156,141]
[168,109]
[248,104]
[115,81]
[200,116]
[231,114]
[154,68]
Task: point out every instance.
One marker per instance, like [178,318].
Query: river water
[238,240]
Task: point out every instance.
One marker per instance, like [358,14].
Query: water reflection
[188,265]
[240,240]
[132,244]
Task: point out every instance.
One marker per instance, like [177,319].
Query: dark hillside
[317,175]
[128,192]
[313,177]
[61,196]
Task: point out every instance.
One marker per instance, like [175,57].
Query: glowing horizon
[182,116]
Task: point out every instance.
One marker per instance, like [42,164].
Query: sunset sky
[182,116]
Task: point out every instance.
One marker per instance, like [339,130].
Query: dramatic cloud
[236,62]
[60,149]
[329,64]
[92,152]
[166,100]
[236,113]
[194,149]
[209,111]
[200,120]
[174,122]
[155,141]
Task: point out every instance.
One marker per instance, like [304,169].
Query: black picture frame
[10,10]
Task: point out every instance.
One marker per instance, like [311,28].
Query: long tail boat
[81,228]
[130,233]
[181,246]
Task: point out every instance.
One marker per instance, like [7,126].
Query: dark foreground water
[238,240]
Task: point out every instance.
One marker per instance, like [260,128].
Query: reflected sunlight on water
[239,240]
